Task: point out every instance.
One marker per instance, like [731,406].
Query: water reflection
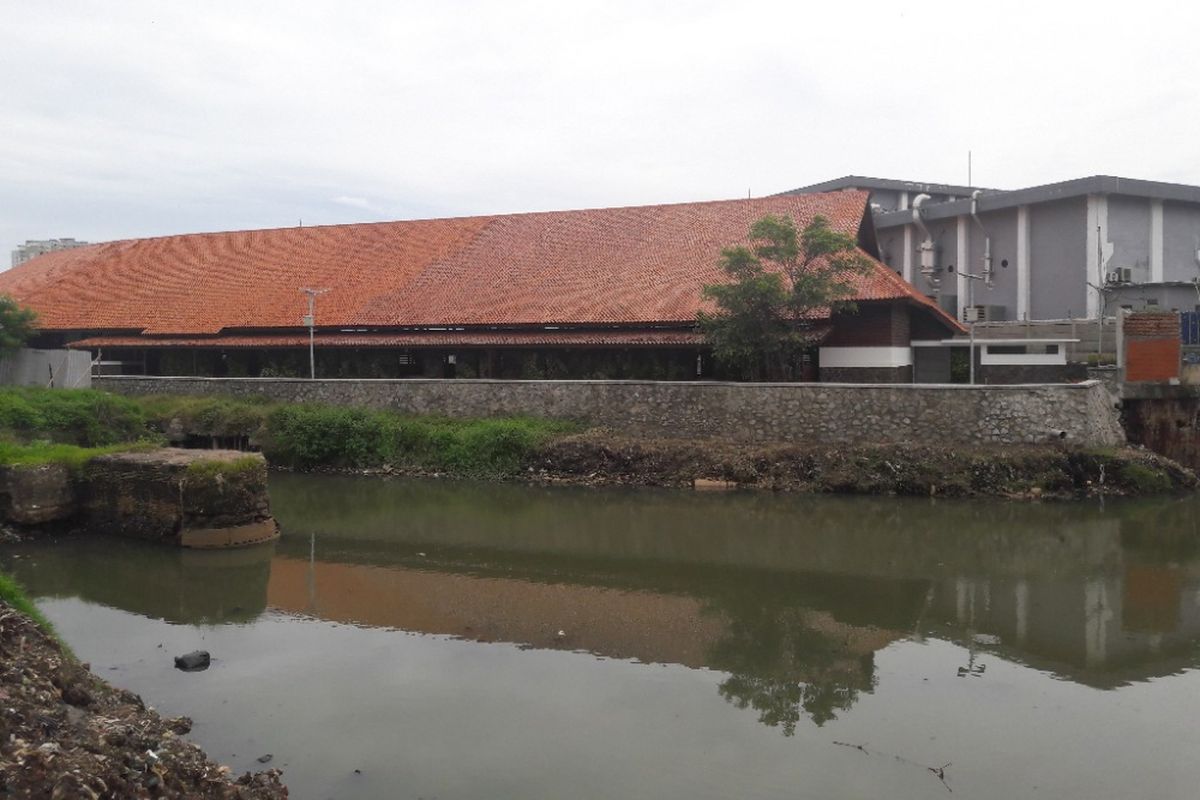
[792,598]
[786,663]
[206,587]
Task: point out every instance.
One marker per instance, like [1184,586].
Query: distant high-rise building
[35,247]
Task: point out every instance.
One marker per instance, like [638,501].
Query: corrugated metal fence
[1189,327]
[62,369]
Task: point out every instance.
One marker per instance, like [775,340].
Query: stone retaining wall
[194,498]
[818,413]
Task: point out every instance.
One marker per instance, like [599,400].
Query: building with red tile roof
[557,294]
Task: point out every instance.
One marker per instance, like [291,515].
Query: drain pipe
[926,246]
[987,240]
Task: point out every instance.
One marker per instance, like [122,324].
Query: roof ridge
[458,218]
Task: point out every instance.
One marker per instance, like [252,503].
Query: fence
[1096,337]
[63,369]
[1189,328]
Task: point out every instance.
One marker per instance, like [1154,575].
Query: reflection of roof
[649,626]
[615,266]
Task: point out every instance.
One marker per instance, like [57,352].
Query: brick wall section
[872,325]
[1151,360]
[924,327]
[793,412]
[1153,349]
[1152,325]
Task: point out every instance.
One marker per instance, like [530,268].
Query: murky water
[431,639]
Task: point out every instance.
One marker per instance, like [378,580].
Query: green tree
[763,318]
[17,323]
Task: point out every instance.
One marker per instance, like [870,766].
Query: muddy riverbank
[601,457]
[65,733]
[320,438]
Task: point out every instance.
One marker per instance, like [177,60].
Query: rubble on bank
[1016,471]
[65,733]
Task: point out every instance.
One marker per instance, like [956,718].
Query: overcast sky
[144,118]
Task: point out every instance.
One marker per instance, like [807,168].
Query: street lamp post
[1102,293]
[973,313]
[310,319]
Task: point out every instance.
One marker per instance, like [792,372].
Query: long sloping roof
[617,266]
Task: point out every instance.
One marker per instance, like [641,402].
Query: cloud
[144,118]
[355,202]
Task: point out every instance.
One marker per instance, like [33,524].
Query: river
[425,639]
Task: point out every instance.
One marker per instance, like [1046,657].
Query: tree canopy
[762,321]
[17,323]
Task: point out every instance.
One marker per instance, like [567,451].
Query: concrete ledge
[265,530]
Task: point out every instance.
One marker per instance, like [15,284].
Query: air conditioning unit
[1119,275]
[983,314]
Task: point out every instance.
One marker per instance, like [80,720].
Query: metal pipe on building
[987,240]
[926,247]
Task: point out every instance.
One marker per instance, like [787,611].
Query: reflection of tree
[792,662]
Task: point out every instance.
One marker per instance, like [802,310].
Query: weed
[1144,479]
[13,595]
[70,416]
[35,454]
[238,467]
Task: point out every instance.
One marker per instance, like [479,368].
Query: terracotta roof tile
[616,266]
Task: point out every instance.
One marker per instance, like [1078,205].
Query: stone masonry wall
[817,413]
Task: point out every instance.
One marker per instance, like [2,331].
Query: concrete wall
[1150,298]
[1181,240]
[945,247]
[1058,259]
[804,413]
[891,250]
[1129,234]
[1001,227]
[1093,336]
[1157,240]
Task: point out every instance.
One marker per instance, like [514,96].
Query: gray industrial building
[35,247]
[1070,250]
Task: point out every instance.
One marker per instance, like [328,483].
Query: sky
[141,118]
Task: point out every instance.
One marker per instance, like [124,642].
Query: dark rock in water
[194,661]
[265,759]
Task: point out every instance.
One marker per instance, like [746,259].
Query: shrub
[72,416]
[310,436]
[1144,479]
[209,416]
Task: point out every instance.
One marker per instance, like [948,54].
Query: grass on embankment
[79,417]
[68,426]
[35,454]
[13,595]
[315,436]
[51,426]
